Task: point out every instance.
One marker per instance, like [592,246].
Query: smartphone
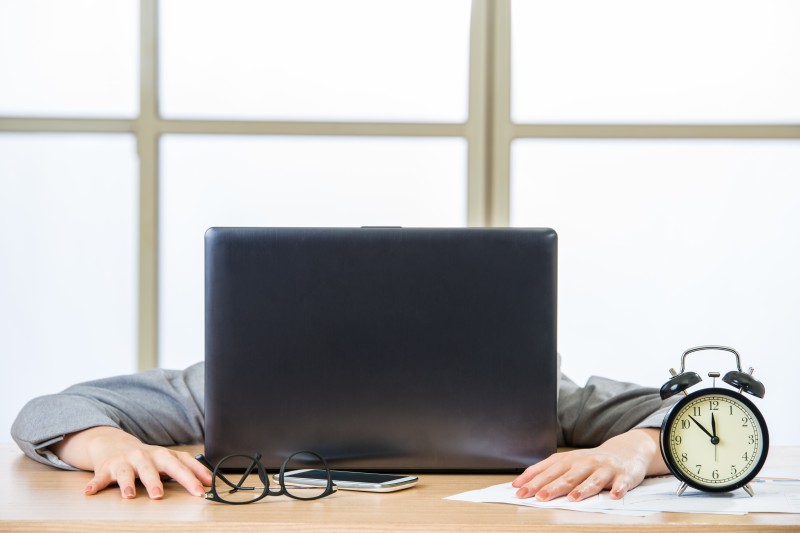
[366,481]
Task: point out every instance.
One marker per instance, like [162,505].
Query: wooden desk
[38,498]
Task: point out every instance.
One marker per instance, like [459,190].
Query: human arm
[117,426]
[616,424]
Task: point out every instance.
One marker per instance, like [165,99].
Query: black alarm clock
[714,439]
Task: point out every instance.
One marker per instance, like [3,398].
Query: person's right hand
[118,457]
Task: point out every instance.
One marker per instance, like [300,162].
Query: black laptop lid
[382,348]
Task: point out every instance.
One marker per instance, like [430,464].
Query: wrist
[80,448]
[651,446]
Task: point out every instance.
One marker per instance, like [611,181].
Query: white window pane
[718,61]
[68,273]
[665,245]
[288,181]
[315,59]
[69,58]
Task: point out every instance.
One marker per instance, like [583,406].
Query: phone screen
[357,477]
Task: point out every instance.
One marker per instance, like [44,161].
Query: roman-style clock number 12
[714,439]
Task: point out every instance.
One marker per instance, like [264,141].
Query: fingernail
[522,493]
[542,495]
[575,495]
[156,492]
[199,491]
[89,489]
[129,492]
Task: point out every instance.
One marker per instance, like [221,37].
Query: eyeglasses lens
[312,480]
[231,483]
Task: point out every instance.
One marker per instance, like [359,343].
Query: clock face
[714,440]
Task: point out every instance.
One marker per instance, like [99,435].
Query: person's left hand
[619,464]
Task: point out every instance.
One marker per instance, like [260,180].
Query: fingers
[579,476]
[622,484]
[148,464]
[126,479]
[100,481]
[150,478]
[124,473]
[618,482]
[534,470]
[198,469]
[575,475]
[558,480]
[187,471]
[619,464]
[591,485]
[540,480]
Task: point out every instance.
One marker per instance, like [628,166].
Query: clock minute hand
[701,427]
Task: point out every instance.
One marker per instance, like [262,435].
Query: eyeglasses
[250,489]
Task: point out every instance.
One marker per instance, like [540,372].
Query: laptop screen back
[382,348]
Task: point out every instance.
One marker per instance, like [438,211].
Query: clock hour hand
[714,438]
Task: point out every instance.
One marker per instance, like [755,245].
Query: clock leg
[749,489]
[681,489]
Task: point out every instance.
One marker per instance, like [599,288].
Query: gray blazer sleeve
[163,407]
[166,407]
[604,408]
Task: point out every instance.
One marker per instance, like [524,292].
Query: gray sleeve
[163,407]
[604,408]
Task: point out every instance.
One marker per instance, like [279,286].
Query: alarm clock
[714,439]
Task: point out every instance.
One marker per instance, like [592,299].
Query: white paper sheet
[658,495]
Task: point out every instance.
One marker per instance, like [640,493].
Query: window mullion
[500,114]
[147,128]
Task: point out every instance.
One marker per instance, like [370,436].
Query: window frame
[488,130]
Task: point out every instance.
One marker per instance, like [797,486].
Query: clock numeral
[684,457]
[698,468]
[731,409]
[713,405]
[684,424]
[733,470]
[751,439]
[745,456]
[715,474]
[744,421]
[677,439]
[696,410]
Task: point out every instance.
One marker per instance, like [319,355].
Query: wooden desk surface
[35,497]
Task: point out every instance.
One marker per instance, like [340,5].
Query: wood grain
[34,497]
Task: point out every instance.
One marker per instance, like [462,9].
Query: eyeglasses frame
[255,462]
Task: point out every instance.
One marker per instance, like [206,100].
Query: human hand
[619,464]
[116,456]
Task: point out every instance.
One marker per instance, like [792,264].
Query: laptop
[382,348]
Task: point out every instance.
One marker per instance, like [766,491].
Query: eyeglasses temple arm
[202,459]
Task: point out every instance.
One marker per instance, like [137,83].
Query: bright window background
[665,245]
[68,274]
[288,181]
[573,62]
[682,61]
[69,58]
[353,60]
